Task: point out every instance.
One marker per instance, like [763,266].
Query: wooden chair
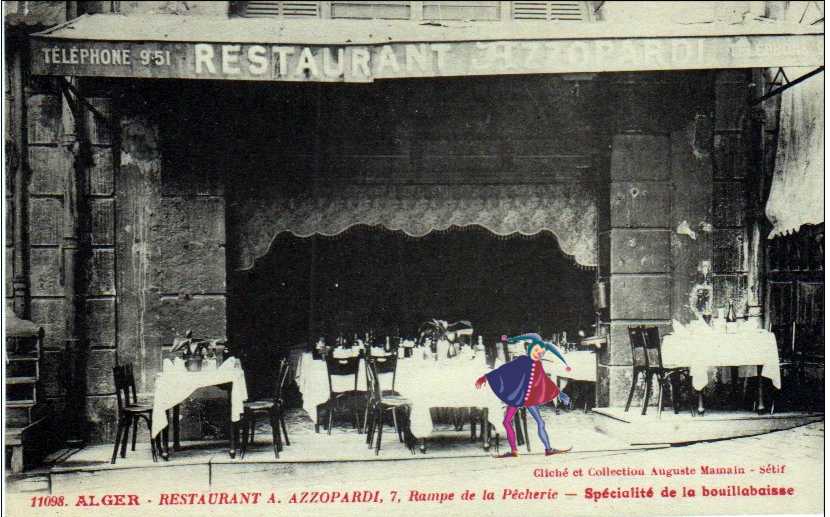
[379,404]
[647,358]
[639,362]
[343,367]
[665,376]
[385,364]
[273,409]
[130,412]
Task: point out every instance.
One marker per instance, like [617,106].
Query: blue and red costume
[522,382]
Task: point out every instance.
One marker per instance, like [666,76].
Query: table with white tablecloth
[174,385]
[754,351]
[431,381]
[312,378]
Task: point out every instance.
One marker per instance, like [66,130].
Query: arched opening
[372,279]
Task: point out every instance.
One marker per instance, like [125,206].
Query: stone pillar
[170,250]
[100,287]
[659,175]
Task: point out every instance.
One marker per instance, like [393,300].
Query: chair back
[124,380]
[341,366]
[654,353]
[282,379]
[372,384]
[639,357]
[385,364]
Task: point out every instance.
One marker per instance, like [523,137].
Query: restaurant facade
[271,172]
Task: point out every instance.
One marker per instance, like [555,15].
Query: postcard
[417,258]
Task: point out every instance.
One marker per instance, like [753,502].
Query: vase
[193,364]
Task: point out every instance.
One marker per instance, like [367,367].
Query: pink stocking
[508,426]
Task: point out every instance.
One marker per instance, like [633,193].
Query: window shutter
[282,10]
[551,11]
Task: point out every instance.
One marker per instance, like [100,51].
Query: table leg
[700,409]
[761,408]
[233,440]
[176,443]
[164,441]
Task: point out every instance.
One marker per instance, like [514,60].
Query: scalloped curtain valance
[568,211]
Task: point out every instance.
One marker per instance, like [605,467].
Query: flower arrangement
[192,351]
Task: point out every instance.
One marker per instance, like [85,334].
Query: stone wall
[50,158]
[48,164]
[153,248]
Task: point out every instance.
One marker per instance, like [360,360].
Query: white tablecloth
[444,383]
[583,365]
[429,383]
[702,350]
[173,387]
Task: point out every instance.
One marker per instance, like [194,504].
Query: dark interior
[369,278]
[373,279]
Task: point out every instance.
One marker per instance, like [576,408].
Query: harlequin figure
[522,382]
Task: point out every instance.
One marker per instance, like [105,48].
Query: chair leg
[380,430]
[129,421]
[647,397]
[634,377]
[244,429]
[135,433]
[280,433]
[117,439]
[154,451]
[370,428]
[517,423]
[284,429]
[275,436]
[675,393]
[395,423]
[365,416]
[659,397]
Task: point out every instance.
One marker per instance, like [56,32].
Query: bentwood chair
[340,400]
[385,364]
[666,376]
[647,357]
[380,404]
[273,409]
[639,362]
[130,412]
